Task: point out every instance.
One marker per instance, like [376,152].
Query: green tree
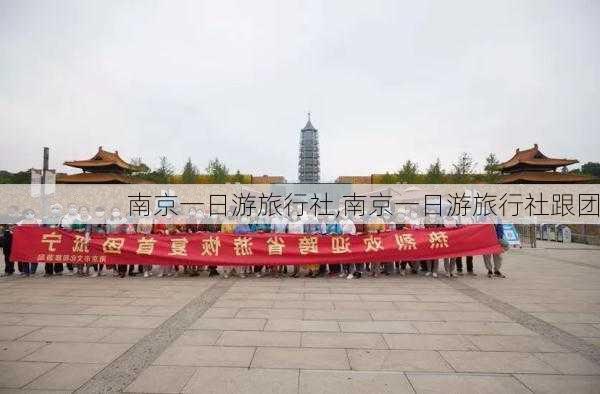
[463,168]
[164,172]
[238,177]
[388,178]
[491,164]
[217,171]
[15,177]
[408,172]
[190,172]
[591,168]
[491,168]
[435,173]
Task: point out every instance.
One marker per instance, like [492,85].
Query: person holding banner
[53,221]
[279,225]
[96,226]
[38,244]
[296,226]
[359,268]
[213,226]
[389,267]
[72,222]
[322,271]
[333,227]
[192,227]
[116,224]
[312,226]
[449,262]
[243,227]
[432,264]
[145,226]
[260,225]
[228,227]
[375,225]
[348,228]
[28,220]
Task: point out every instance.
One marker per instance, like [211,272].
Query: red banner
[42,244]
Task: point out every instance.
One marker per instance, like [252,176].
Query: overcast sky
[385,81]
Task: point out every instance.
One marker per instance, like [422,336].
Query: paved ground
[536,331]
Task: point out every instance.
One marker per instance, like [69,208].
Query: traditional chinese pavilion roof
[103,161]
[533,159]
[542,177]
[98,177]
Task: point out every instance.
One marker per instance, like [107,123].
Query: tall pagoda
[308,164]
[532,166]
[104,167]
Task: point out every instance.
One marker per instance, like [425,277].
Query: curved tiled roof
[98,177]
[534,157]
[542,177]
[102,159]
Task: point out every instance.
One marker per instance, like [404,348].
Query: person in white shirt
[296,226]
[348,227]
[449,262]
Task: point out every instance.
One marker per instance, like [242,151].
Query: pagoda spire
[309,125]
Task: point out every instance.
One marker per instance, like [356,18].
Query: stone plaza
[538,331]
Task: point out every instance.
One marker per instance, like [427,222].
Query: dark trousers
[335,268]
[9,266]
[28,268]
[70,266]
[51,268]
[257,268]
[122,269]
[459,266]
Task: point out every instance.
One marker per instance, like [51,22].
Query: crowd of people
[99,221]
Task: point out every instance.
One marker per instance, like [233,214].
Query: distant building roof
[267,179]
[98,177]
[542,177]
[354,179]
[102,159]
[532,158]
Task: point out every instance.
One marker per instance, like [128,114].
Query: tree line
[215,172]
[462,171]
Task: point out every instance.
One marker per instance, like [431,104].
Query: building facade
[308,164]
